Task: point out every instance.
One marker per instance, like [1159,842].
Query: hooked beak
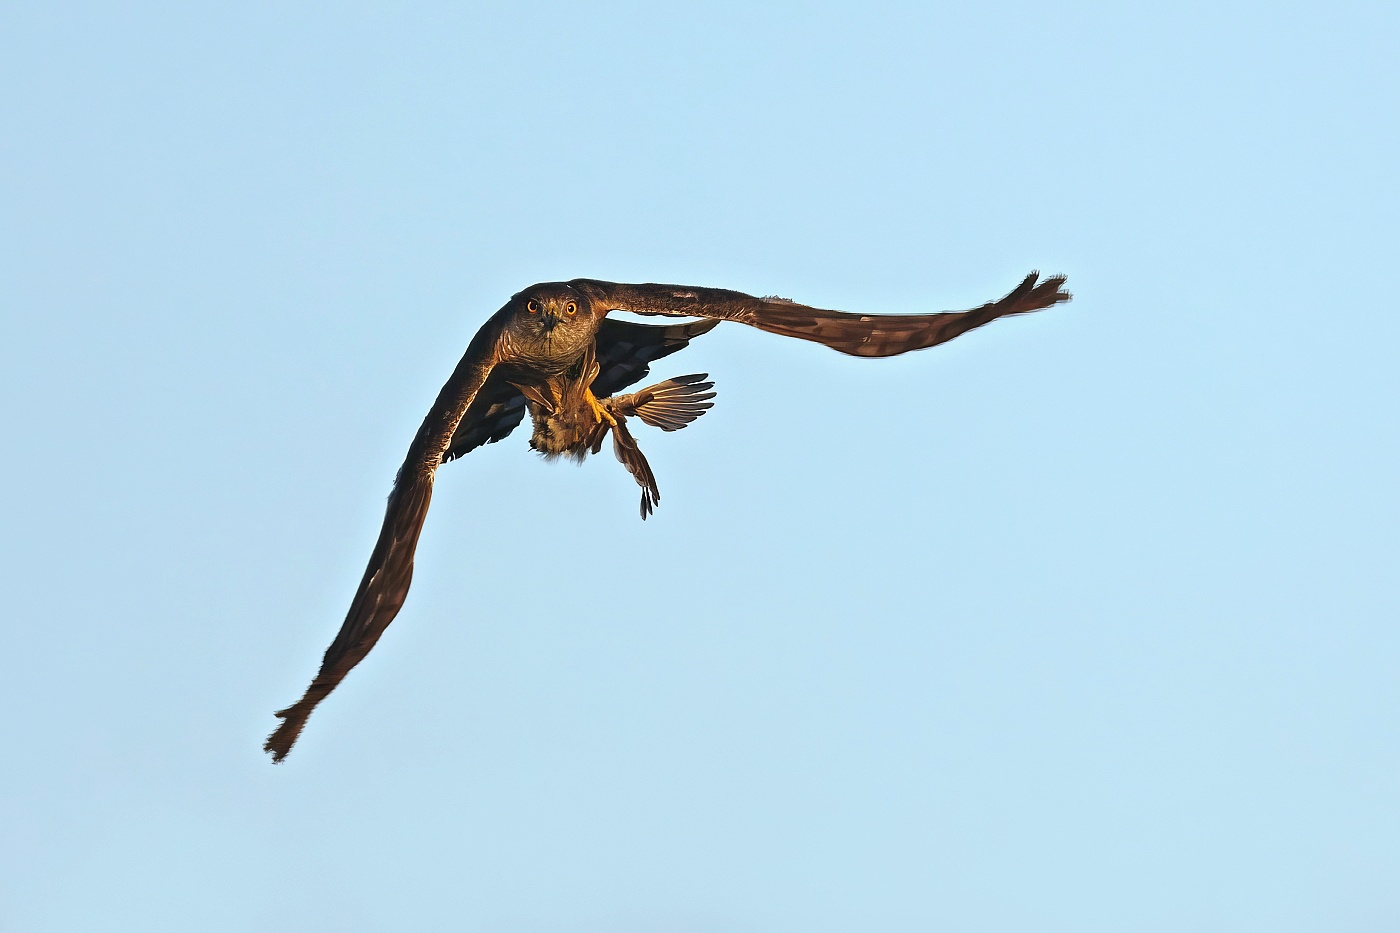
[550,320]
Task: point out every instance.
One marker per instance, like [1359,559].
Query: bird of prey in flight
[553,351]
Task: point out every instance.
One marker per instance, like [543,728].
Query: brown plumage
[553,352]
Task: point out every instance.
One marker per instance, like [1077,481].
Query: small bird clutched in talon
[552,351]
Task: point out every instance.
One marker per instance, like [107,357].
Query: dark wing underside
[855,334]
[625,349]
[495,412]
[385,583]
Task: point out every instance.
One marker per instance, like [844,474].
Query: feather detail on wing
[497,410]
[868,335]
[386,580]
[669,405]
[624,349]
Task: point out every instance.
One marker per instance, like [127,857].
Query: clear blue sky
[1087,621]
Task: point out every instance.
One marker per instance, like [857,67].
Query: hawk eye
[571,308]
[532,306]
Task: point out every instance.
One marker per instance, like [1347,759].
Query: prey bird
[553,351]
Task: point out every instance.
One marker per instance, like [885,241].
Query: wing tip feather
[280,742]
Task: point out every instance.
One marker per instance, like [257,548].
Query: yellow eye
[532,306]
[571,308]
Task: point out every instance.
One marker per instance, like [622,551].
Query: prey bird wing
[854,334]
[631,456]
[386,580]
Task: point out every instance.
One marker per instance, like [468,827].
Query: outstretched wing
[855,334]
[385,583]
[624,350]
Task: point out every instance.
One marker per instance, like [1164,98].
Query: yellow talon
[599,412]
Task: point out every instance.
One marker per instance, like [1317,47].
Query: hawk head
[542,308]
[551,321]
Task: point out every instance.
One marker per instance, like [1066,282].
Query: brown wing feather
[855,334]
[385,583]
